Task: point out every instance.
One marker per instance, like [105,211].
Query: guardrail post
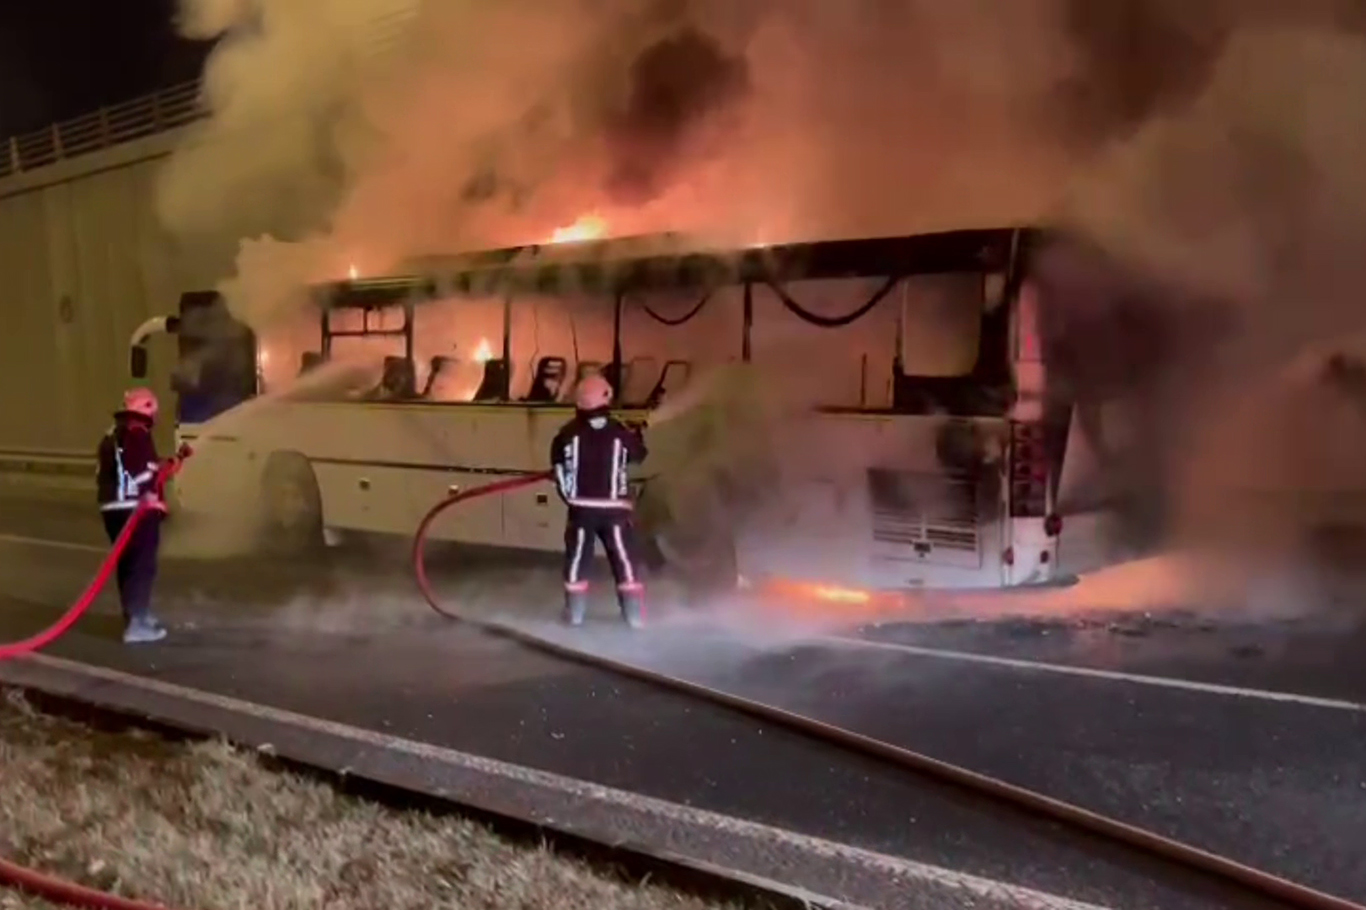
[57,140]
[15,164]
[104,127]
[156,112]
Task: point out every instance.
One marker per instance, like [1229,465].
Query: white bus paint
[905,871]
[1165,682]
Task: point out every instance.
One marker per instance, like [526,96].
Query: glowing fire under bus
[918,456]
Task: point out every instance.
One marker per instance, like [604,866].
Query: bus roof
[662,261]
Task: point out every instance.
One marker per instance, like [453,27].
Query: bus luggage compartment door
[926,518]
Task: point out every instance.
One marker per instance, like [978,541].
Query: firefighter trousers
[614,528]
[137,568]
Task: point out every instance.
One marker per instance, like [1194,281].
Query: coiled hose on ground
[1262,883]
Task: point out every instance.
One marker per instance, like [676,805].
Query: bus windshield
[216,367]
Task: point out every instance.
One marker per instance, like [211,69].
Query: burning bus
[868,414]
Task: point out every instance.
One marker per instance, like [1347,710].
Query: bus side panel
[534,518]
[477,521]
[218,491]
[380,467]
[367,497]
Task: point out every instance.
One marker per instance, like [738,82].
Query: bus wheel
[291,505]
[696,551]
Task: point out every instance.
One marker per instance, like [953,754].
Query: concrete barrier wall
[83,261]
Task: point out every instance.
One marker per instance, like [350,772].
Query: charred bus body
[885,419]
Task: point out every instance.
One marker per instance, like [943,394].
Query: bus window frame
[408,292]
[327,333]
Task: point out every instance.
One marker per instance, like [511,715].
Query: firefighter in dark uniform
[127,469]
[589,456]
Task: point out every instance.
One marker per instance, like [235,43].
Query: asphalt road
[1238,736]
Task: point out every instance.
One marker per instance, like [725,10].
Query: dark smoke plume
[674,84]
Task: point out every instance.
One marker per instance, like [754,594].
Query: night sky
[64,58]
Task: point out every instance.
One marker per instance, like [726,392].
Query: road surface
[1245,738]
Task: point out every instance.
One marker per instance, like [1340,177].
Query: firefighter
[589,457]
[127,469]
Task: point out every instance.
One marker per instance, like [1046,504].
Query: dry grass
[205,826]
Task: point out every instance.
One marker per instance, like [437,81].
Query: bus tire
[702,560]
[704,563]
[292,513]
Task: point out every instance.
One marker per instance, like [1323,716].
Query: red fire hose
[1255,880]
[425,526]
[68,893]
[54,889]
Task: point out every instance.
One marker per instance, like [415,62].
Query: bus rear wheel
[697,553]
[705,567]
[291,505]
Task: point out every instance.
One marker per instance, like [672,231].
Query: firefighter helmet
[593,393]
[141,401]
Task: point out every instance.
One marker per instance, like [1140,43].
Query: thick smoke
[366,131]
[1217,310]
[1204,157]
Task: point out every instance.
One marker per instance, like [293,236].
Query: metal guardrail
[159,112]
[65,464]
[149,115]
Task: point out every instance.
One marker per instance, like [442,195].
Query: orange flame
[483,353]
[807,591]
[353,273]
[840,595]
[588,227]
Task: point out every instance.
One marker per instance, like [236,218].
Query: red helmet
[141,401]
[593,392]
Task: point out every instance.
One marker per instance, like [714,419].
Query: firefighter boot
[575,607]
[632,608]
